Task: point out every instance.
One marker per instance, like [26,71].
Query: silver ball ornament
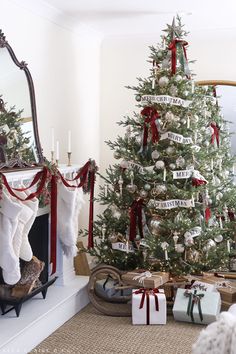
[124,164]
[218,238]
[178,78]
[147,187]
[159,54]
[131,188]
[210,244]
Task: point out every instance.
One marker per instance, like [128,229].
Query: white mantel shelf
[19,176]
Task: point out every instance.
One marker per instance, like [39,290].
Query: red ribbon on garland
[146,294]
[207,214]
[136,218]
[215,134]
[173,49]
[151,115]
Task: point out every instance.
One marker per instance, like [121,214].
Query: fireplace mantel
[64,299]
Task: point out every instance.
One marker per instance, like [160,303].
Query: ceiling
[110,17]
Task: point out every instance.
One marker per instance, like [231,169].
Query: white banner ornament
[178,138]
[182,174]
[174,101]
[170,204]
[122,247]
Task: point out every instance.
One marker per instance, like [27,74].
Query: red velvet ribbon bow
[136,218]
[146,294]
[151,115]
[207,214]
[215,134]
[173,49]
[198,182]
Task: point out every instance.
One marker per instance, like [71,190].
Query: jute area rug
[90,332]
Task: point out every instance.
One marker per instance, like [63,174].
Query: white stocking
[9,262]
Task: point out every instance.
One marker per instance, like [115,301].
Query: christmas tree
[169,199]
[15,149]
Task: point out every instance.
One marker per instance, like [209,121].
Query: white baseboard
[39,317]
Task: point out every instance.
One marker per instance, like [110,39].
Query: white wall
[124,58]
[65,69]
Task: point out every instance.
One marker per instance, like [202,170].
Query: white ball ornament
[160,165]
[163,81]
[147,187]
[143,193]
[187,234]
[155,154]
[189,241]
[159,54]
[219,196]
[170,150]
[179,248]
[172,166]
[210,244]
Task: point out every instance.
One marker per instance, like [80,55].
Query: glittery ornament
[165,64]
[147,187]
[143,193]
[124,164]
[170,150]
[138,139]
[154,225]
[163,81]
[155,154]
[138,98]
[160,188]
[160,165]
[218,238]
[173,90]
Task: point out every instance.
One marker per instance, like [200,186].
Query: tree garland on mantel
[50,174]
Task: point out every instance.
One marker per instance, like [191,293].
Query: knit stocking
[25,251]
[9,262]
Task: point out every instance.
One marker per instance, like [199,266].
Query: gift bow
[151,115]
[146,294]
[194,298]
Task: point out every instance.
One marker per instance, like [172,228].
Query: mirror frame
[23,66]
[216,82]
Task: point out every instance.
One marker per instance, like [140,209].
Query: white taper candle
[69,141]
[57,151]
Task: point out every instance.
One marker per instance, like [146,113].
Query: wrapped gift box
[226,288]
[203,286]
[145,279]
[148,306]
[106,288]
[196,306]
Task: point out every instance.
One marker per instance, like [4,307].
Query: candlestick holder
[57,163]
[52,156]
[69,159]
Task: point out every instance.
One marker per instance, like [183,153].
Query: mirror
[226,93]
[19,140]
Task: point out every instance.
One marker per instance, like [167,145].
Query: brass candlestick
[69,159]
[52,156]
